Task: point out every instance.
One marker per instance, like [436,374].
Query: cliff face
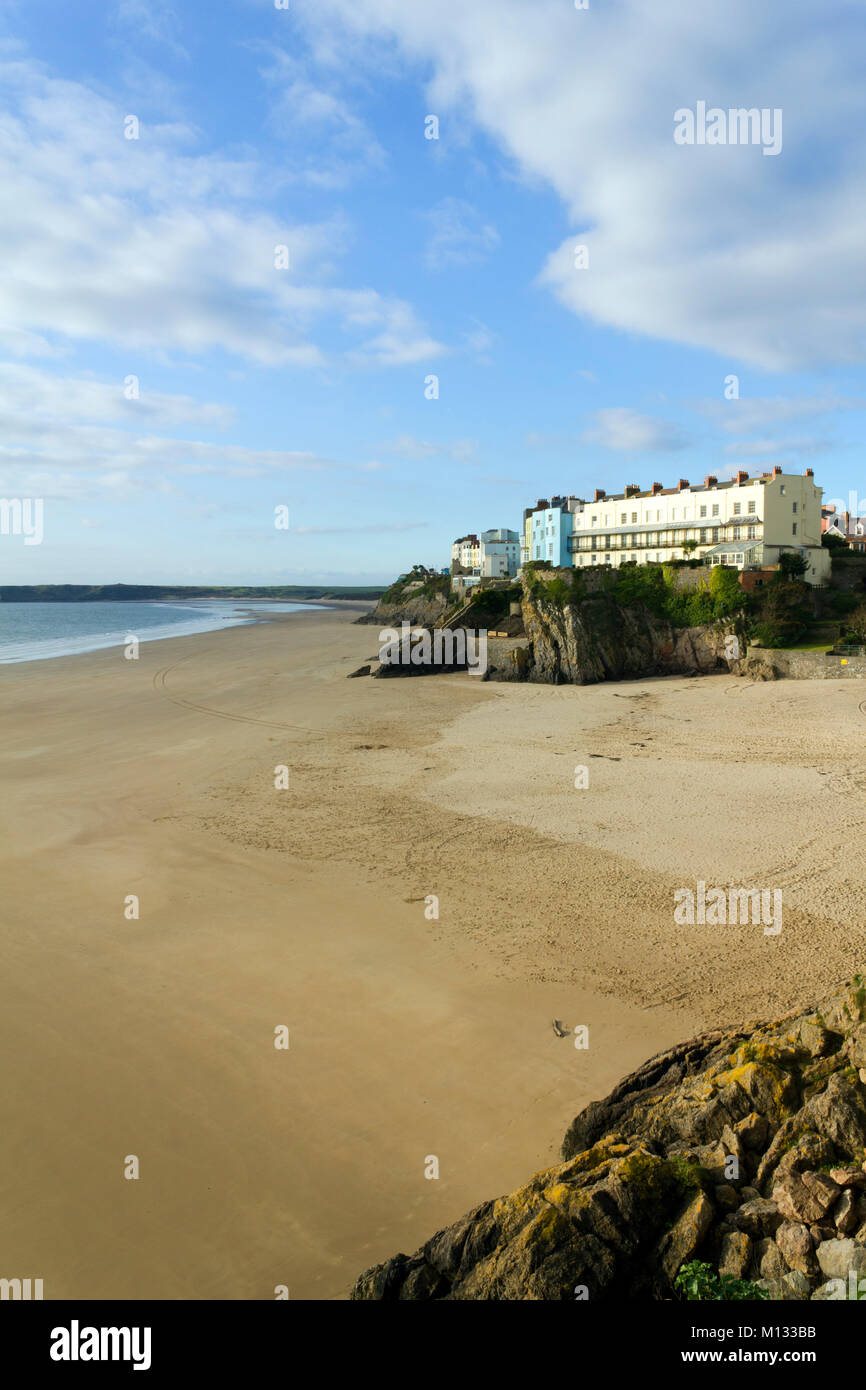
[597,639]
[420,612]
[743,1149]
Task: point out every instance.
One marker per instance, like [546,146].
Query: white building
[500,553]
[746,522]
[466,552]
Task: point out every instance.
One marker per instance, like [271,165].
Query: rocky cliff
[743,1149]
[419,610]
[598,639]
[576,641]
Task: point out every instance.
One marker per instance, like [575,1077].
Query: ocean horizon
[42,631]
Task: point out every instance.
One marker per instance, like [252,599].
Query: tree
[831,541]
[792,565]
[857,624]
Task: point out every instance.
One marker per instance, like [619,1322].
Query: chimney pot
[742,477]
[810,473]
[656,488]
[710,480]
[599,494]
[683,482]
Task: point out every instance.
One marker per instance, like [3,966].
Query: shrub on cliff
[784,612]
[698,1282]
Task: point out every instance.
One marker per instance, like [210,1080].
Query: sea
[39,631]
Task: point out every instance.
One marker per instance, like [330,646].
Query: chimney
[683,482]
[710,480]
[599,494]
[777,470]
[631,490]
[742,477]
[810,473]
[655,489]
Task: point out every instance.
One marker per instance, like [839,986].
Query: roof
[734,545]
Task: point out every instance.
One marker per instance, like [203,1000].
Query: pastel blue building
[547,528]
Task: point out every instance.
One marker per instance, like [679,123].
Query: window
[794,529]
[550,549]
[622,518]
[715,509]
[752,532]
[703,511]
[607,558]
[794,506]
[658,516]
[753,505]
[715,533]
[607,518]
[673,514]
[703,532]
[594,520]
[738,507]
[634,514]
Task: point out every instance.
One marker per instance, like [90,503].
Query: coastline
[243,615]
[305,908]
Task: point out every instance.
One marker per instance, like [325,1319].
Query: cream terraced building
[746,523]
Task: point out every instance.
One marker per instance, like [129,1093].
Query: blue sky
[304,387]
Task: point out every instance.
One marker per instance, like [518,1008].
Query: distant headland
[95,593]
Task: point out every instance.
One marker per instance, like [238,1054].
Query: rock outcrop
[744,1149]
[598,639]
[417,610]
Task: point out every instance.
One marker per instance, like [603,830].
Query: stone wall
[765,664]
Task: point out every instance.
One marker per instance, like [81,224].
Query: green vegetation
[837,544]
[699,1282]
[653,587]
[556,590]
[784,610]
[424,584]
[855,627]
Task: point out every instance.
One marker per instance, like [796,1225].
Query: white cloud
[752,414]
[137,243]
[626,431]
[459,235]
[55,441]
[28,390]
[155,20]
[408,447]
[326,143]
[756,259]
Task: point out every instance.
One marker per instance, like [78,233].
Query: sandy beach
[305,907]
